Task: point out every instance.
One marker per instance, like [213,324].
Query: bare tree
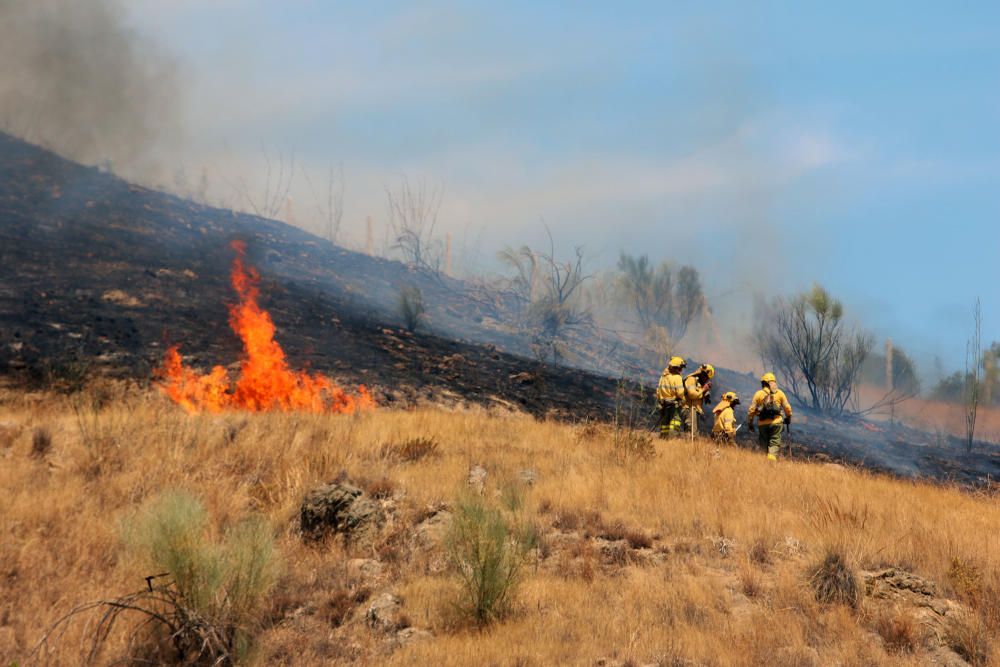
[331,206]
[551,290]
[973,374]
[806,340]
[278,179]
[658,296]
[524,263]
[897,372]
[413,215]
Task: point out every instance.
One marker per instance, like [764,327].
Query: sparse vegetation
[631,428]
[899,629]
[202,598]
[413,211]
[487,552]
[589,582]
[411,307]
[549,294]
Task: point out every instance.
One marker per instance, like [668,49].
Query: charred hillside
[98,275]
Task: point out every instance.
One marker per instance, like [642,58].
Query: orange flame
[265,381]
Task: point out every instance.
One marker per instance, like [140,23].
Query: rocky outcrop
[339,508]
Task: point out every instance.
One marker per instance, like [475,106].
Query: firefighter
[697,392]
[773,411]
[724,429]
[670,396]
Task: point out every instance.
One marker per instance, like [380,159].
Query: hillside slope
[683,555]
[98,276]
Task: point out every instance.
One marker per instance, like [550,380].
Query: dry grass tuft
[41,442]
[636,538]
[833,581]
[899,629]
[970,637]
[410,450]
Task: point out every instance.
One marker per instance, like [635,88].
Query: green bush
[488,552]
[214,587]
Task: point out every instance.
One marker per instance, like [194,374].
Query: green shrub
[488,552]
[214,587]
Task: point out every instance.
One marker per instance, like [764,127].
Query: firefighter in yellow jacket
[724,429]
[771,407]
[697,390]
[670,396]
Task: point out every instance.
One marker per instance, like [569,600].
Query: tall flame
[265,381]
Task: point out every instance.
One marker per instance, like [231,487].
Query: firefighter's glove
[788,421]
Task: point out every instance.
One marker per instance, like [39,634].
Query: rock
[385,613]
[528,476]
[430,533]
[408,636]
[338,508]
[893,582]
[477,478]
[523,378]
[364,568]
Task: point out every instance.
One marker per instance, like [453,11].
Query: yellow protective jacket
[725,419]
[694,392]
[670,388]
[774,397]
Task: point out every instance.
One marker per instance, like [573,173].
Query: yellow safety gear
[708,369]
[670,387]
[768,377]
[729,396]
[694,391]
[769,405]
[676,362]
[725,418]
[772,457]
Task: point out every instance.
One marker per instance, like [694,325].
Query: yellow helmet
[730,396]
[676,362]
[708,369]
[768,377]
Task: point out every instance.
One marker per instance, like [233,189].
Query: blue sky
[771,145]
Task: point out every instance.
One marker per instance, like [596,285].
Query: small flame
[265,381]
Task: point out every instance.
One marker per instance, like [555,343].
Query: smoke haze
[78,80]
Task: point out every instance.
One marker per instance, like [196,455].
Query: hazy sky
[854,144]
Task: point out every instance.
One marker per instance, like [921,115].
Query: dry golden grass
[725,580]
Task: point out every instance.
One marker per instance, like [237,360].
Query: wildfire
[265,381]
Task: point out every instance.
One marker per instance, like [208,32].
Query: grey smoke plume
[75,78]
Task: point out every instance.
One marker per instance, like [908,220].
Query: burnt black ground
[98,275]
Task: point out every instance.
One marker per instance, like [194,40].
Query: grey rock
[410,635]
[528,476]
[477,478]
[338,508]
[385,613]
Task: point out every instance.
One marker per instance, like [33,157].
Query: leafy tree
[806,340]
[659,296]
